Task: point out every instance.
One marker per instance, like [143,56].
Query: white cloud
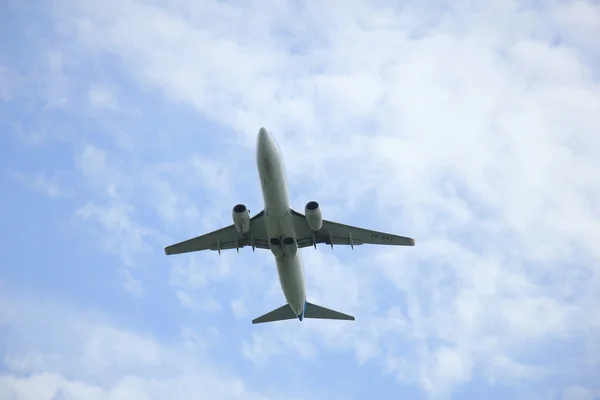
[49,186]
[131,285]
[56,84]
[102,97]
[123,235]
[578,393]
[102,360]
[7,83]
[209,304]
[468,128]
[472,129]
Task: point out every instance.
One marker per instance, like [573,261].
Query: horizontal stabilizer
[318,312]
[282,313]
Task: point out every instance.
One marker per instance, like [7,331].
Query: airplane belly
[291,278]
[280,226]
[273,183]
[279,222]
[276,198]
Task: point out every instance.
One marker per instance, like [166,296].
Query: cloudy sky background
[471,126]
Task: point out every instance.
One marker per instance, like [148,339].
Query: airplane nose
[263,141]
[263,135]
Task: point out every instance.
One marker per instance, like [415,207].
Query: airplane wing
[225,239]
[339,234]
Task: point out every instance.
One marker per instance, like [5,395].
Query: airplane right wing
[339,234]
[225,239]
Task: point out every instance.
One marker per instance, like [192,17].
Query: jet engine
[241,218]
[312,211]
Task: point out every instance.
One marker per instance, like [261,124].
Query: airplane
[284,231]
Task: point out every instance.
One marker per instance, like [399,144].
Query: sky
[471,126]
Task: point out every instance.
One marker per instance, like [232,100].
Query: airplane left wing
[339,234]
[225,239]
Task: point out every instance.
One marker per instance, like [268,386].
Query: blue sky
[130,125]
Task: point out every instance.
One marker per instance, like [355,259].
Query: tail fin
[318,312]
[282,313]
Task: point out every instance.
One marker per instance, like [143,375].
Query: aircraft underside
[284,231]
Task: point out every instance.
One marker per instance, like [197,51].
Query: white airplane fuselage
[279,222]
[283,230]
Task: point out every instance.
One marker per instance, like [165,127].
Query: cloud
[102,97]
[578,393]
[102,359]
[471,127]
[209,304]
[132,286]
[41,183]
[7,83]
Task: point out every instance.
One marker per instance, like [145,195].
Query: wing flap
[225,239]
[334,233]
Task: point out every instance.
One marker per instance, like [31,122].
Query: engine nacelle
[312,211]
[241,218]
